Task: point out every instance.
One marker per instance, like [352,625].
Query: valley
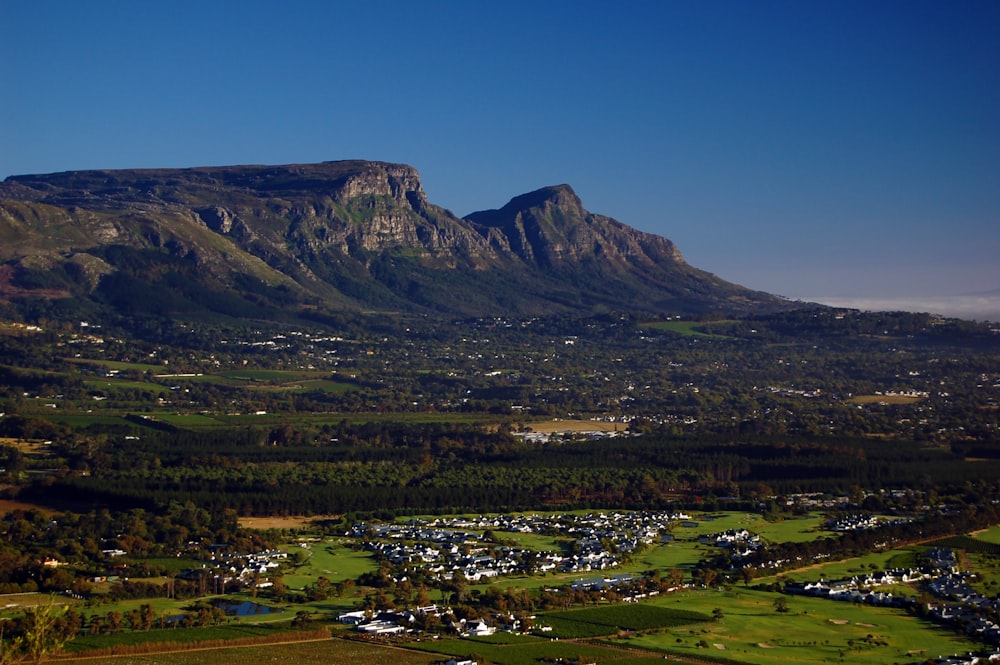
[159,458]
[530,435]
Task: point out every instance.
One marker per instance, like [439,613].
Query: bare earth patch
[550,426]
[291,522]
[885,399]
[7,505]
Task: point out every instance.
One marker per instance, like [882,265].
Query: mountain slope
[254,240]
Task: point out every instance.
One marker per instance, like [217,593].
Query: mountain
[349,235]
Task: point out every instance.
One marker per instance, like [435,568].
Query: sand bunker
[765,645]
[840,622]
[720,647]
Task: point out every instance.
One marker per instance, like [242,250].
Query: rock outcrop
[351,234]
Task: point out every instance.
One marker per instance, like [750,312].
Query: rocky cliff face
[336,234]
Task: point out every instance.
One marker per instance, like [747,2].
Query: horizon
[849,151]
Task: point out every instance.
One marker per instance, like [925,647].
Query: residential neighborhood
[955,601]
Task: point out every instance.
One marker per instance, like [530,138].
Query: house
[480,629]
[353,617]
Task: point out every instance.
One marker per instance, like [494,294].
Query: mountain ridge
[354,234]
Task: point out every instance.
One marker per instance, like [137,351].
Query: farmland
[314,651]
[734,621]
[320,473]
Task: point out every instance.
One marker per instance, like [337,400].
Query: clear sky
[846,149]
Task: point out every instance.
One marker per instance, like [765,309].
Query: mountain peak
[558,196]
[348,234]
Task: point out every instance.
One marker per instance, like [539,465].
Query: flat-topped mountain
[248,240]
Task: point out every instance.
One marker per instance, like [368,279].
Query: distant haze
[982,307]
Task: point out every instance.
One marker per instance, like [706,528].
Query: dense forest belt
[396,468]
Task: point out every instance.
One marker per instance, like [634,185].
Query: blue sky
[810,149]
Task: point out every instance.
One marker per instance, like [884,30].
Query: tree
[707,575]
[781,604]
[10,650]
[41,636]
[148,615]
[675,577]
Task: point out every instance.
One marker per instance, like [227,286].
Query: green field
[599,621]
[989,535]
[330,560]
[688,328]
[813,631]
[201,421]
[187,420]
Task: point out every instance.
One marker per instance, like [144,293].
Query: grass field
[836,570]
[600,621]
[330,560]
[84,417]
[814,631]
[187,420]
[688,328]
[989,535]
[273,380]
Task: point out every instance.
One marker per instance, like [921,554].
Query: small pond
[246,608]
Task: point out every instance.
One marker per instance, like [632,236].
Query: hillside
[252,241]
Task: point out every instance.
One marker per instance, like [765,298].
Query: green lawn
[836,570]
[792,530]
[688,328]
[991,535]
[328,559]
[187,419]
[814,631]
